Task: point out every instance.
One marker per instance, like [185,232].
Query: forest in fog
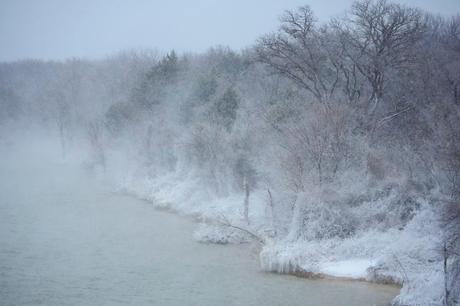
[335,139]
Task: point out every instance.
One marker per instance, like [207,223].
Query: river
[67,239]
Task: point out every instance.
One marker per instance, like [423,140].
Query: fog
[67,239]
[188,153]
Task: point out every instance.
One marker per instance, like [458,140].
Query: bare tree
[378,36]
[298,52]
[315,144]
[450,251]
[95,134]
[61,116]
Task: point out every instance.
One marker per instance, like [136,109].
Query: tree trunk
[62,140]
[272,211]
[446,279]
[246,200]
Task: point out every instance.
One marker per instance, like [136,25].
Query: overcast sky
[58,29]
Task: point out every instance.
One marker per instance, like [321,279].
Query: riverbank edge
[293,270]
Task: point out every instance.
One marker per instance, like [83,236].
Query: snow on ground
[67,239]
[407,257]
[352,268]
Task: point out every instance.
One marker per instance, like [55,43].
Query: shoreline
[296,271]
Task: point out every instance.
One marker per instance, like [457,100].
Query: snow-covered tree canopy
[320,131]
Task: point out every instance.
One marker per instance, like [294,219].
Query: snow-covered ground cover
[408,255]
[67,239]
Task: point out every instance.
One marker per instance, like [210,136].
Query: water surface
[66,239]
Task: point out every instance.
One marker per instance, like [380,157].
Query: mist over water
[67,239]
[325,148]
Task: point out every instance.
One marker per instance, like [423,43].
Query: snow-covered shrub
[220,234]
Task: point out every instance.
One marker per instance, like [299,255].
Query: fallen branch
[227,223]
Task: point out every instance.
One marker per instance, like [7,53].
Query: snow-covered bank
[335,144]
[67,239]
[408,256]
